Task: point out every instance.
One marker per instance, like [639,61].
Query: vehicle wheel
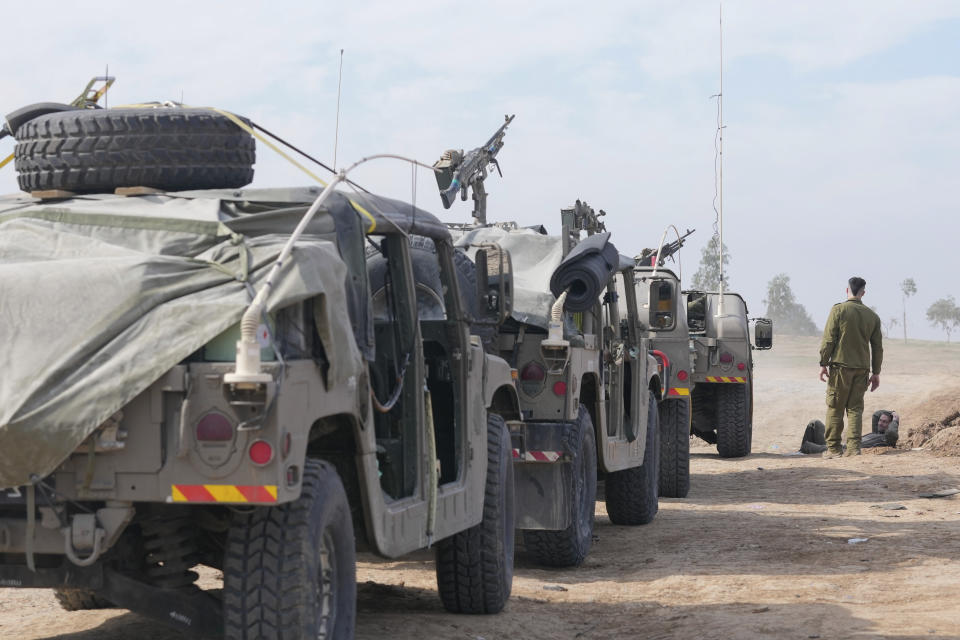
[734,430]
[674,448]
[290,571]
[81,599]
[631,494]
[569,547]
[98,150]
[475,567]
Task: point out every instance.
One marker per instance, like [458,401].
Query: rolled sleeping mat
[585,272]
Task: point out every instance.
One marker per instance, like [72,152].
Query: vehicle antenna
[106,98]
[336,133]
[720,309]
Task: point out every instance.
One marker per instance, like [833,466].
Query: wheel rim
[326,591]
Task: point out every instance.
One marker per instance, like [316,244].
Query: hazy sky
[841,147]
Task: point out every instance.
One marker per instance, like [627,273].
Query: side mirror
[763,333]
[662,304]
[494,284]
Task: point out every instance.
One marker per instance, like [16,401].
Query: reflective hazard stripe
[223,493]
[678,391]
[725,379]
[537,456]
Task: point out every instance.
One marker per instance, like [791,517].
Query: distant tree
[788,315]
[945,314]
[707,277]
[909,288]
[890,325]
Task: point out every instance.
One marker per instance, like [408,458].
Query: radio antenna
[336,133]
[720,309]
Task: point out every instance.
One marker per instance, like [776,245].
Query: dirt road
[759,549]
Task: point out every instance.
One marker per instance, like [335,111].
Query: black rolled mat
[586,272]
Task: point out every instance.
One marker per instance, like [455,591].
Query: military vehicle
[588,388]
[710,363]
[657,291]
[721,359]
[140,438]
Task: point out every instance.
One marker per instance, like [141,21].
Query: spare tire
[166,148]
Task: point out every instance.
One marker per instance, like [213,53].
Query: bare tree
[945,314]
[909,288]
[890,325]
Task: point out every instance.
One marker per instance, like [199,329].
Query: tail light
[726,357]
[560,388]
[532,378]
[214,427]
[533,372]
[260,452]
[681,375]
[741,366]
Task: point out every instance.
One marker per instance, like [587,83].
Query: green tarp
[100,296]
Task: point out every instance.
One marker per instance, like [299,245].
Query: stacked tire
[100,150]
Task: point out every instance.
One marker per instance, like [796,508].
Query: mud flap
[542,455]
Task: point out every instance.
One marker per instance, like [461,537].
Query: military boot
[851,452]
[827,455]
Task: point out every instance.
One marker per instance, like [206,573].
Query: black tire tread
[265,565]
[475,566]
[98,150]
[631,494]
[569,547]
[674,448]
[734,431]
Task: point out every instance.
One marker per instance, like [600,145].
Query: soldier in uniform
[850,357]
[885,433]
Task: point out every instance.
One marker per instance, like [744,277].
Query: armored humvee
[131,450]
[657,291]
[721,359]
[588,388]
[707,361]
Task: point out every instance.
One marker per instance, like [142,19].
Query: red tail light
[726,357]
[260,452]
[560,388]
[741,366]
[681,375]
[533,372]
[214,427]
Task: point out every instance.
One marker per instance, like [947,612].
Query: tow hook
[83,536]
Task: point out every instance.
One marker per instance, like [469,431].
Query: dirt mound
[939,436]
[945,443]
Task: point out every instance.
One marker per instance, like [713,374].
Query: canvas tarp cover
[100,296]
[534,257]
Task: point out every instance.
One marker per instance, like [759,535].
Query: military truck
[139,438]
[721,360]
[588,387]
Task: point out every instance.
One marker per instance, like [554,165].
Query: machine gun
[458,171]
[646,257]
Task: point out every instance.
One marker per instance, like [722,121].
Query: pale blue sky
[842,146]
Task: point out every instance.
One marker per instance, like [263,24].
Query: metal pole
[720,309]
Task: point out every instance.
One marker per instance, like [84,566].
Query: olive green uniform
[852,347]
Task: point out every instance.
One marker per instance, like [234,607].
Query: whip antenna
[720,310]
[336,133]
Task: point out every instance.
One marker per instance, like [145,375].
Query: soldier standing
[851,348]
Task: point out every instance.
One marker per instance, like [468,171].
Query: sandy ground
[759,549]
